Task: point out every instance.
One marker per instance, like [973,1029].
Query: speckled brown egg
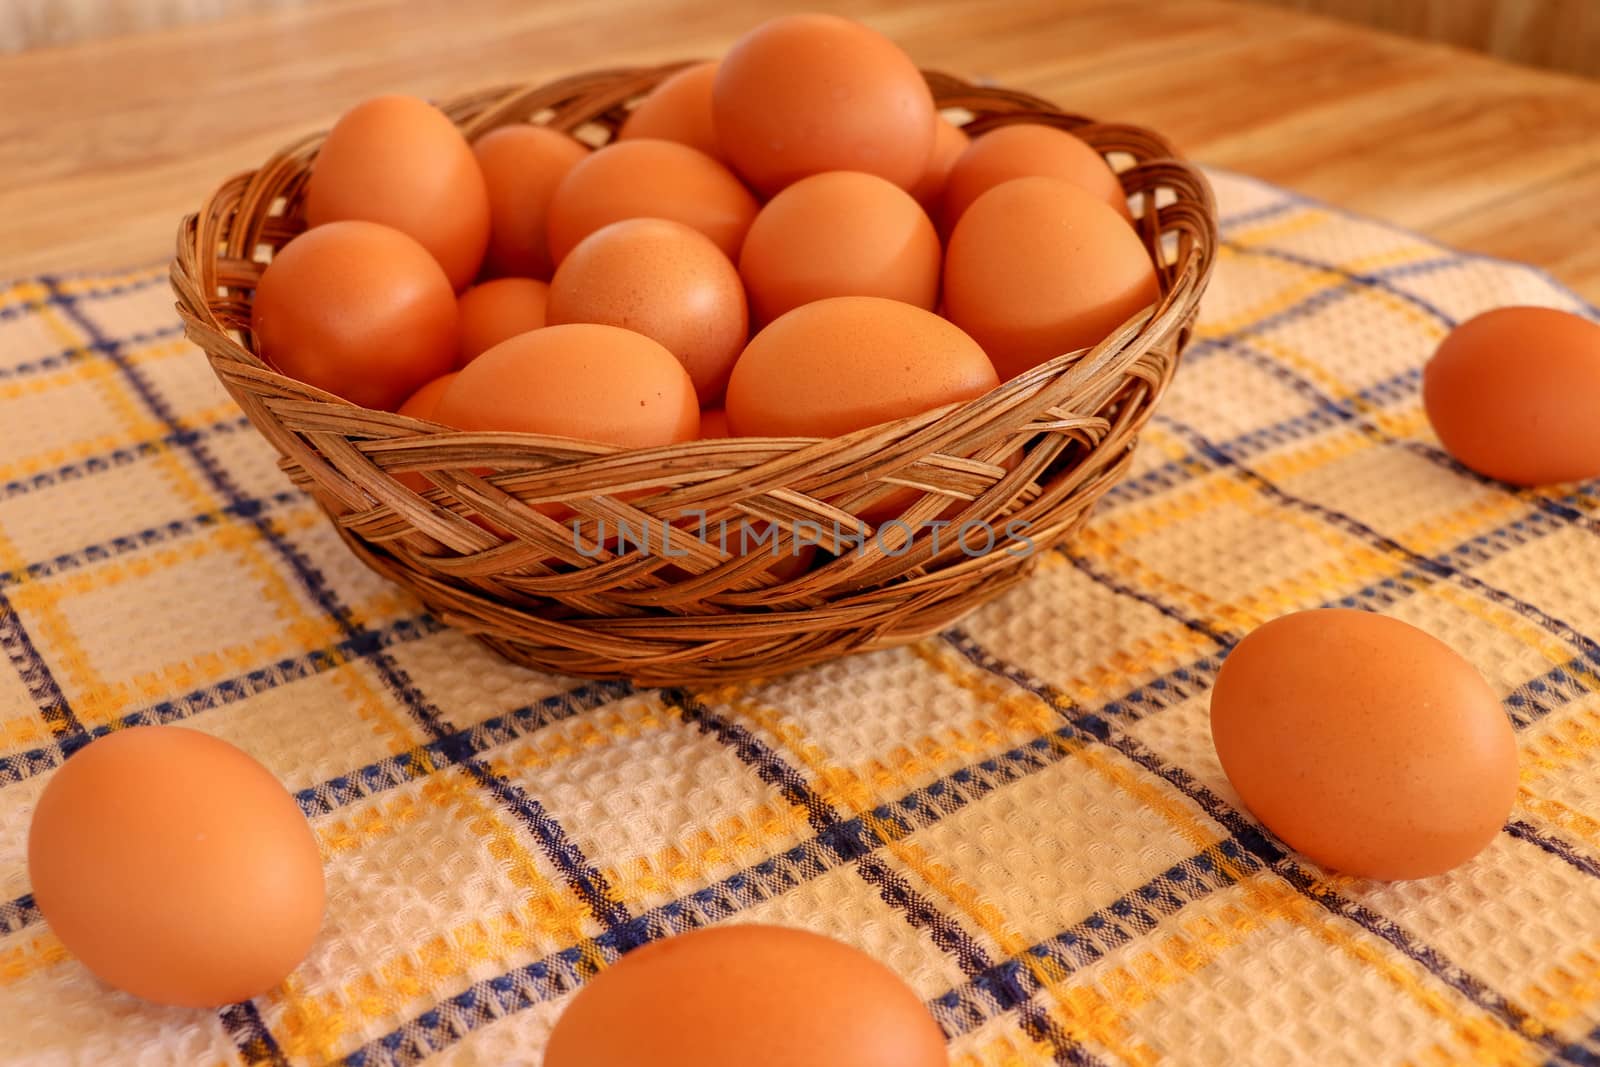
[666,281]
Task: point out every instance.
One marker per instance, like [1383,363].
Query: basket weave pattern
[478,550]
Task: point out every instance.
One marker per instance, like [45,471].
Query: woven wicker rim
[1039,450]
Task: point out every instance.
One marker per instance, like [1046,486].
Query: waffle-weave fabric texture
[1024,817]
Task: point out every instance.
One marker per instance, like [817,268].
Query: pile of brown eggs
[791,242]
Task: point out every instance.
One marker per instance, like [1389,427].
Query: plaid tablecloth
[1023,817]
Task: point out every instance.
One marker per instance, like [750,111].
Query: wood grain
[104,145]
[1559,34]
[42,23]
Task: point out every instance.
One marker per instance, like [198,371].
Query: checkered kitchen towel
[1023,817]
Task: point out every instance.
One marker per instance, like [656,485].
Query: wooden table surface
[103,146]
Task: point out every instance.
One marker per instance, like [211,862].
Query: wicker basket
[1034,454]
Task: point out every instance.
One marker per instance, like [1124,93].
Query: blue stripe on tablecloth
[1359,278]
[1562,850]
[76,354]
[1199,626]
[1176,472]
[455,748]
[117,457]
[41,684]
[26,307]
[18,914]
[1579,1052]
[1254,215]
[133,542]
[920,913]
[1364,532]
[23,765]
[244,1025]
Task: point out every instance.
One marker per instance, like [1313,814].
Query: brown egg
[732,996]
[803,94]
[842,233]
[666,281]
[586,381]
[713,424]
[175,867]
[650,179]
[849,362]
[358,309]
[679,109]
[400,161]
[423,405]
[522,165]
[1514,394]
[949,141]
[425,401]
[493,311]
[1037,268]
[1028,150]
[1364,743]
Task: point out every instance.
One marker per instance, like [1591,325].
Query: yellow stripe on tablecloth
[1569,819]
[83,372]
[1573,737]
[98,701]
[90,447]
[1297,220]
[1116,671]
[1222,485]
[316,1025]
[42,950]
[26,292]
[94,284]
[1296,293]
[1569,990]
[1313,280]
